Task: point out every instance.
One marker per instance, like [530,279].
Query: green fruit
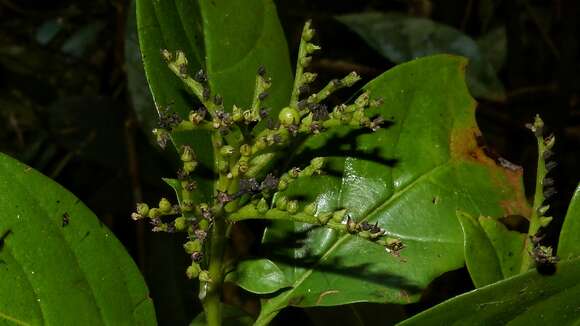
[289,116]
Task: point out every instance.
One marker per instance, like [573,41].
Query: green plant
[399,187]
[368,200]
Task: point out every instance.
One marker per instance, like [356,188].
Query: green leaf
[214,35]
[401,38]
[231,316]
[58,264]
[410,177]
[492,252]
[480,257]
[509,246]
[569,243]
[141,99]
[527,299]
[259,276]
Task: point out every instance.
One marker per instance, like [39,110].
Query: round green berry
[289,116]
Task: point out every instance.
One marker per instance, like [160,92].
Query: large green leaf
[527,299]
[410,177]
[569,244]
[401,38]
[215,35]
[58,264]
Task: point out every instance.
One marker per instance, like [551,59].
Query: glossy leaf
[569,244]
[509,246]
[410,177]
[492,252]
[141,99]
[527,299]
[58,264]
[480,257]
[216,36]
[259,276]
[401,38]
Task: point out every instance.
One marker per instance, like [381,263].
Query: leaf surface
[401,38]
[410,177]
[569,243]
[58,264]
[480,257]
[527,299]
[216,36]
[259,276]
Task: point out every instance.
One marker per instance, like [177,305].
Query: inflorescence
[245,187]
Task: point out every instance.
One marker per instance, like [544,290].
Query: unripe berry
[288,116]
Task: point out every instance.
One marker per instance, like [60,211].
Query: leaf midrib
[344,237]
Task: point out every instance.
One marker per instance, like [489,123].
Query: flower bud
[227,151]
[164,206]
[192,246]
[193,271]
[351,79]
[142,209]
[338,216]
[281,202]
[237,115]
[317,163]
[180,223]
[168,56]
[245,150]
[310,209]
[262,206]
[204,276]
[154,213]
[189,167]
[310,47]
[292,206]
[203,224]
[282,185]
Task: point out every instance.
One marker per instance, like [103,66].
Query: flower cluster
[244,155]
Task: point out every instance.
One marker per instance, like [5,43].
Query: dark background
[68,110]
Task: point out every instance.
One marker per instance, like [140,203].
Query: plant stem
[539,198]
[213,287]
[212,301]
